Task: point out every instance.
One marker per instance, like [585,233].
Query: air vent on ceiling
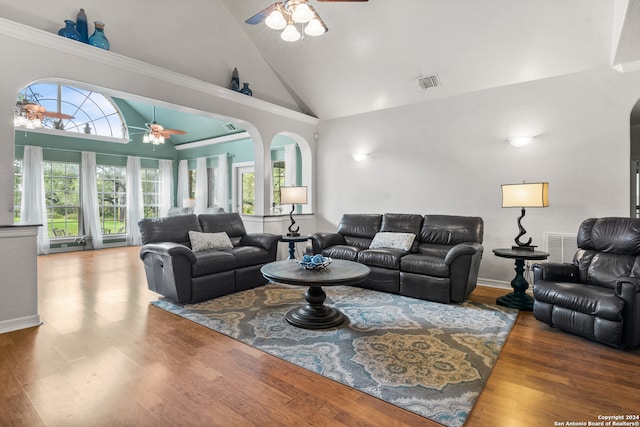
[229,127]
[427,82]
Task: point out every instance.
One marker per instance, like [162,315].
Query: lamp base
[293,234]
[529,248]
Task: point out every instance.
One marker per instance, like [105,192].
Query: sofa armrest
[462,249]
[168,248]
[464,263]
[320,241]
[555,272]
[265,241]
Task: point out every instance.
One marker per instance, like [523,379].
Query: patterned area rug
[429,358]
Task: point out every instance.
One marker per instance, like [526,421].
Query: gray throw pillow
[204,241]
[390,240]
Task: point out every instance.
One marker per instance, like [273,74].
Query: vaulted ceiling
[373,53]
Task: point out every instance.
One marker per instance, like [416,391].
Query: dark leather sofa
[182,275]
[598,295]
[442,264]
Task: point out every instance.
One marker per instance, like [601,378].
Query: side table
[292,243]
[519,298]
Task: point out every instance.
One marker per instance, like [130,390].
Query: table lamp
[525,195]
[293,195]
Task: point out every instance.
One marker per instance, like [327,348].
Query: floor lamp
[525,195]
[295,196]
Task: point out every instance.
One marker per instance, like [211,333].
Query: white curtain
[183,182]
[90,211]
[135,202]
[166,187]
[290,165]
[223,182]
[202,193]
[33,208]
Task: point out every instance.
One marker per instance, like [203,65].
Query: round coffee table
[315,314]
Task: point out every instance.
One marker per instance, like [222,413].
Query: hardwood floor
[105,357]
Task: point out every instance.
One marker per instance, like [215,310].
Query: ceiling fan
[286,14]
[156,133]
[31,115]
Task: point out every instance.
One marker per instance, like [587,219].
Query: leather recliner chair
[598,295]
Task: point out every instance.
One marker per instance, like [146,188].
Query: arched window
[91,112]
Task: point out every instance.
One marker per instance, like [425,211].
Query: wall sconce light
[519,141]
[360,157]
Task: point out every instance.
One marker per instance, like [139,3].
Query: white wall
[450,156]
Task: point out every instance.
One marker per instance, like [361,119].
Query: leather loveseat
[183,275]
[598,295]
[441,264]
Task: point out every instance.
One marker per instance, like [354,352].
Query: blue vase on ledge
[81,26]
[98,39]
[245,89]
[69,30]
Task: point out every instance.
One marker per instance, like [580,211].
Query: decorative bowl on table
[314,262]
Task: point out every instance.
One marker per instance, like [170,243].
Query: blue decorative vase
[245,89]
[98,39]
[69,31]
[82,27]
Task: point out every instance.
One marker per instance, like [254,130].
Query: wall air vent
[427,82]
[560,246]
[229,127]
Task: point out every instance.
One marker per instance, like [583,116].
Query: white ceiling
[374,51]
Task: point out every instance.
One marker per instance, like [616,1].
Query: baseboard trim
[490,283]
[20,323]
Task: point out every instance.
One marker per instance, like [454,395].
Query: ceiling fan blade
[174,132]
[55,115]
[261,16]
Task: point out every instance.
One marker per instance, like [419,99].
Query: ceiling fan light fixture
[314,28]
[302,13]
[275,20]
[290,34]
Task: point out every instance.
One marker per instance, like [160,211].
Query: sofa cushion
[391,240]
[168,229]
[204,241]
[430,265]
[359,225]
[249,255]
[230,223]
[403,223]
[382,257]
[212,261]
[349,253]
[451,229]
[593,300]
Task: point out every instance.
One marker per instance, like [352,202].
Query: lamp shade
[293,195]
[525,195]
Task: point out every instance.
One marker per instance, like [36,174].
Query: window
[192,183]
[62,194]
[92,112]
[150,192]
[112,198]
[278,181]
[17,189]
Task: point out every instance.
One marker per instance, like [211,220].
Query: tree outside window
[62,194]
[17,189]
[151,192]
[112,198]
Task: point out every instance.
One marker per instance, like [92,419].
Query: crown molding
[212,141]
[52,41]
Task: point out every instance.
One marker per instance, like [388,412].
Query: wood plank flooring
[105,357]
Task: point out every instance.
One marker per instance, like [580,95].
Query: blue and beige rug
[429,358]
